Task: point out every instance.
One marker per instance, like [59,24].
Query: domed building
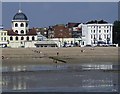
[20,23]
[20,35]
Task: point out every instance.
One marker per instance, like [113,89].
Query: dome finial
[20,11]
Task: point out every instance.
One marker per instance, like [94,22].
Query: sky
[44,14]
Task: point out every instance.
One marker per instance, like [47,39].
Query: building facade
[60,31]
[20,32]
[97,33]
[3,37]
[73,34]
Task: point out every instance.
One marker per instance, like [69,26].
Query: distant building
[77,31]
[60,31]
[20,32]
[97,32]
[43,32]
[3,37]
[50,32]
[71,34]
[71,24]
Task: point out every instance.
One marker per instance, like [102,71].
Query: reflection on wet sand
[59,67]
[56,77]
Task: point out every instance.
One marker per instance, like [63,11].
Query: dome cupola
[20,23]
[20,16]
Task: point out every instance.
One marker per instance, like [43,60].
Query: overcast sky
[44,14]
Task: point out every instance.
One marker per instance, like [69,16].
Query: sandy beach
[63,69]
[14,56]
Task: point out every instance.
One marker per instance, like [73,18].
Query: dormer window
[11,38]
[16,31]
[27,38]
[22,38]
[16,38]
[22,25]
[22,32]
[33,38]
[16,25]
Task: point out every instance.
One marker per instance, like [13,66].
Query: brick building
[61,31]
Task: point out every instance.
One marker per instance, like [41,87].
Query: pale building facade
[93,34]
[68,42]
[3,38]
[21,35]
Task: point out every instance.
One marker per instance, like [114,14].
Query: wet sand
[27,56]
[64,69]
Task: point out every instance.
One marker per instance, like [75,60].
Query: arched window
[11,38]
[26,24]
[16,25]
[16,31]
[27,38]
[22,38]
[16,38]
[22,25]
[33,38]
[22,32]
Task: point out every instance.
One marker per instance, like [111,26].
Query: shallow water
[66,77]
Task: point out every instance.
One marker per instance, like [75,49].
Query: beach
[27,56]
[74,69]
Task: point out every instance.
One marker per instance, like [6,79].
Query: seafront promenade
[27,56]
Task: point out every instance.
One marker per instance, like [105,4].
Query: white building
[20,33]
[97,33]
[3,37]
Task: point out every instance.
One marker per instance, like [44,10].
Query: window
[16,31]
[1,33]
[100,37]
[22,38]
[99,26]
[108,36]
[16,25]
[91,36]
[16,38]
[94,36]
[11,38]
[91,31]
[4,33]
[99,31]
[26,24]
[22,25]
[105,36]
[33,38]
[22,32]
[107,31]
[94,31]
[4,38]
[104,31]
[27,38]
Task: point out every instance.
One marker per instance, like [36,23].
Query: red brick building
[62,31]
